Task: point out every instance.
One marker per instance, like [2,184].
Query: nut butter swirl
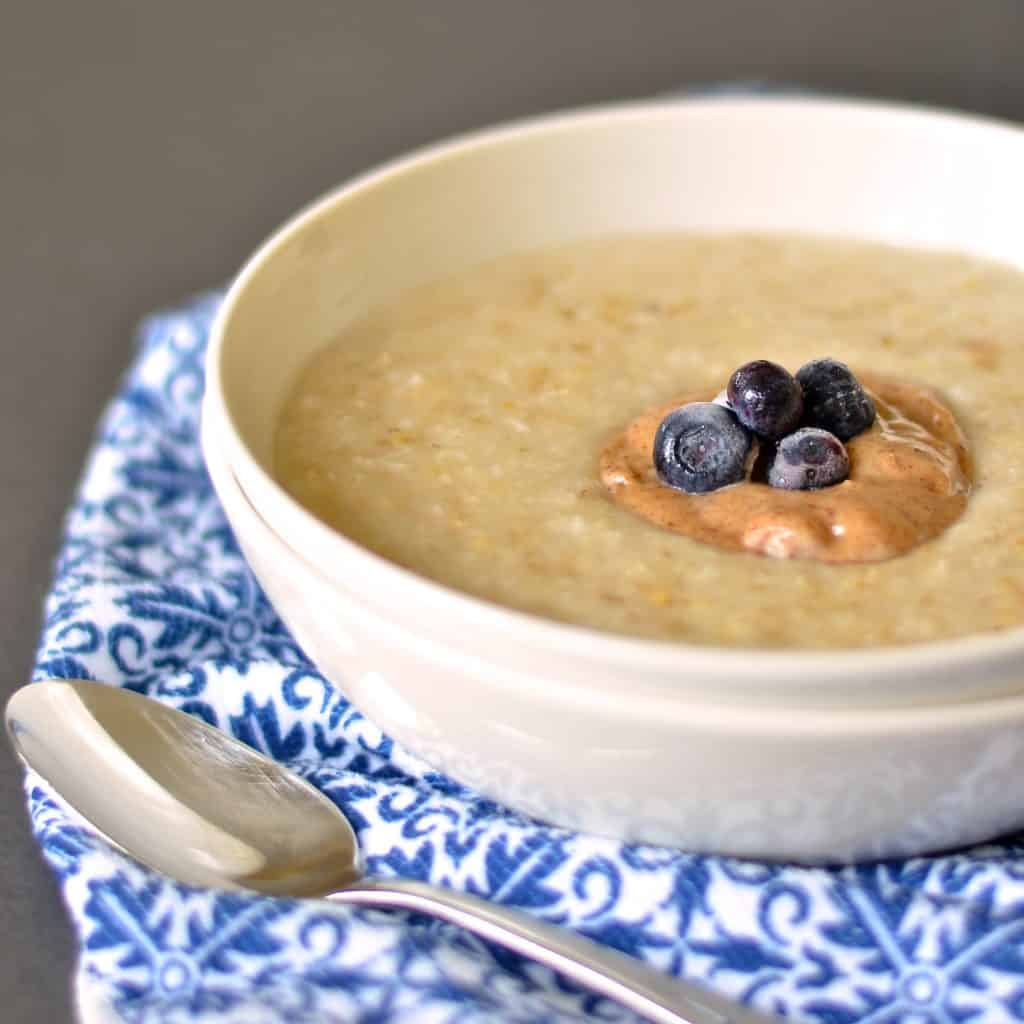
[910,475]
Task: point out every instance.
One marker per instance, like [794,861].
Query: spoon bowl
[197,805]
[181,796]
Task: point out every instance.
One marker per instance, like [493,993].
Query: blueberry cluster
[799,422]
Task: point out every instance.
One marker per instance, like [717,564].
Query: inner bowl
[847,169]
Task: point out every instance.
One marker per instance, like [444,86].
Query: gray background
[146,148]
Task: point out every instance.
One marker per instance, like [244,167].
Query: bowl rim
[817,665]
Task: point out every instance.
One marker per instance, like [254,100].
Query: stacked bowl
[815,756]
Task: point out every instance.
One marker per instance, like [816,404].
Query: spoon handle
[622,978]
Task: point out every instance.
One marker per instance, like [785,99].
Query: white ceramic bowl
[539,714]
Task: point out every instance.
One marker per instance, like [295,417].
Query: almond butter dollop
[910,475]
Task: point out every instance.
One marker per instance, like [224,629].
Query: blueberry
[808,459]
[700,447]
[834,399]
[766,398]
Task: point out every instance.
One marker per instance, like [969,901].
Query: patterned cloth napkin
[151,593]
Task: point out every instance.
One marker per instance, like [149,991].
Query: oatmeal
[909,479]
[459,431]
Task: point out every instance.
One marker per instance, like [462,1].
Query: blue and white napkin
[151,593]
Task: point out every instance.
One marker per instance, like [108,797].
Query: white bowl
[808,784]
[856,169]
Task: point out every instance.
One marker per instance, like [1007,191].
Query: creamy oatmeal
[459,432]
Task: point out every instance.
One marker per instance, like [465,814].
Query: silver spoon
[189,801]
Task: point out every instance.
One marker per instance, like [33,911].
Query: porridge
[460,432]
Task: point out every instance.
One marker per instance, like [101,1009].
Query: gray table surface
[145,149]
